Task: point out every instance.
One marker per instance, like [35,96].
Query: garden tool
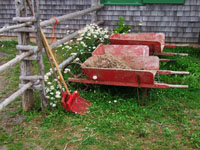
[71,102]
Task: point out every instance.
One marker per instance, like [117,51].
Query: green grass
[170,119]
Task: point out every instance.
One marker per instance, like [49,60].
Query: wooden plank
[15,95]
[32,57]
[26,29]
[8,28]
[27,47]
[33,87]
[24,19]
[36,77]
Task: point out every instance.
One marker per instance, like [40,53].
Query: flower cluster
[52,89]
[89,38]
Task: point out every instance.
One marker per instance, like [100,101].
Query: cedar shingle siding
[180,23]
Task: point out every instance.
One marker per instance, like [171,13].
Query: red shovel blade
[75,103]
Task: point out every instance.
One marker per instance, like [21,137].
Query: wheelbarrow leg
[144,96]
[138,96]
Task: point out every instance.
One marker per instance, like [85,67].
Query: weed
[121,28]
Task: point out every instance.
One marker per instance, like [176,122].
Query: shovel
[70,102]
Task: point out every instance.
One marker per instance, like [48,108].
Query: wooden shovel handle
[54,60]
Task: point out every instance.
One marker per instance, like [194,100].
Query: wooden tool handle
[54,60]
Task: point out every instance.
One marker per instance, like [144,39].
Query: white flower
[52,98]
[79,39]
[57,92]
[52,87]
[77,59]
[66,70]
[109,102]
[53,105]
[46,77]
[49,83]
[89,34]
[68,47]
[82,43]
[52,93]
[73,54]
[55,80]
[106,36]
[115,101]
[47,97]
[58,96]
[49,73]
[47,90]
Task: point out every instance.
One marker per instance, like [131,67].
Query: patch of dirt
[106,61]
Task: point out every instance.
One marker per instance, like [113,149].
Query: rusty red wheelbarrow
[155,42]
[141,75]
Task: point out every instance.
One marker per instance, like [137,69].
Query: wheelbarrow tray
[122,50]
[155,41]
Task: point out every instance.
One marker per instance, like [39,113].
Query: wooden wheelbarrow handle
[54,60]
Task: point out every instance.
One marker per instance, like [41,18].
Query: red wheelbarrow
[142,73]
[155,42]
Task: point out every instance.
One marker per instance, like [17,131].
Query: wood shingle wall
[180,23]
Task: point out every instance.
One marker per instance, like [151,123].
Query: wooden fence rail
[15,95]
[14,61]
[69,16]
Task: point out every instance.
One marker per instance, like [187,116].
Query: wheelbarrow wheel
[73,70]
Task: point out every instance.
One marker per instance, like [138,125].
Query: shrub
[122,28]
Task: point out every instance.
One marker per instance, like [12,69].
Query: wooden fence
[27,53]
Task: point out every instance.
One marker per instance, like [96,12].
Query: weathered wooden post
[25,65]
[94,14]
[23,41]
[39,54]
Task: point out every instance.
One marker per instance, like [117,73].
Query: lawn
[169,120]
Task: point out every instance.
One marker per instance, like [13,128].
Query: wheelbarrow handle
[54,60]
